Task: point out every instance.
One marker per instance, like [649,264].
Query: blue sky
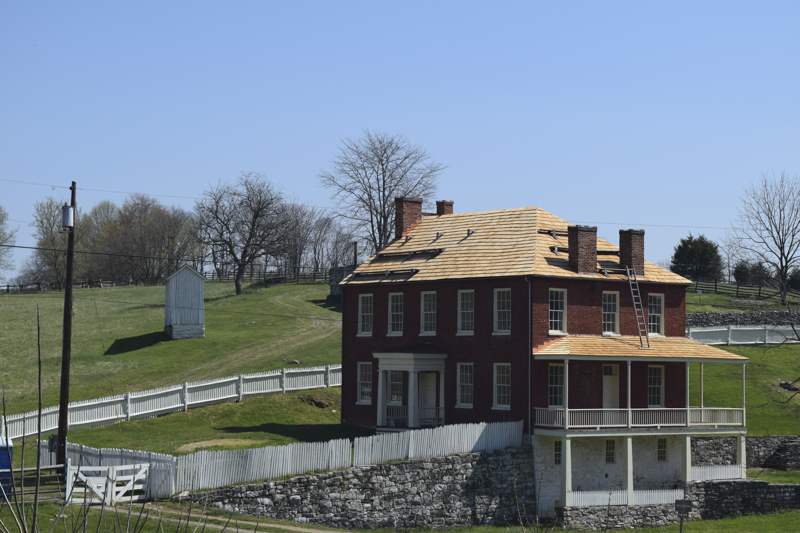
[637,114]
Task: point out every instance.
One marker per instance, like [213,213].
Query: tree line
[234,227]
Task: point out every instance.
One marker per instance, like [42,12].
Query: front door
[427,399]
[610,386]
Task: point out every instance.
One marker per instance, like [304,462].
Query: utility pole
[66,349]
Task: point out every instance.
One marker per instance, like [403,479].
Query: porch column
[627,480]
[566,472]
[701,386]
[686,459]
[413,399]
[441,397]
[566,396]
[688,412]
[630,413]
[381,398]
[741,454]
[744,411]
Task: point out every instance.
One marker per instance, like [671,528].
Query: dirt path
[236,525]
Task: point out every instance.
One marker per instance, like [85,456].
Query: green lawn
[725,299]
[119,346]
[774,476]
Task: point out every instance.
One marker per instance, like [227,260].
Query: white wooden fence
[213,469]
[730,335]
[436,442]
[155,402]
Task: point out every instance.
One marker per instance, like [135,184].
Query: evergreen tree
[697,258]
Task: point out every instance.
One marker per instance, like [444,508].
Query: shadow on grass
[305,432]
[331,304]
[130,344]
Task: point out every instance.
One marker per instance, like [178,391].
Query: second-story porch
[592,383]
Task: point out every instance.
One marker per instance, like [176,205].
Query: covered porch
[411,387]
[622,386]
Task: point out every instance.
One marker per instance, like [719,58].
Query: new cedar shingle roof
[509,242]
[628,347]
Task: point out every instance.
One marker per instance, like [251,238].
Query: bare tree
[245,220]
[7,238]
[48,262]
[301,222]
[369,173]
[767,228]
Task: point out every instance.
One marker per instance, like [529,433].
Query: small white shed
[184,315]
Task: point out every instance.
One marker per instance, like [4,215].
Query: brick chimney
[582,244]
[631,249]
[444,207]
[407,214]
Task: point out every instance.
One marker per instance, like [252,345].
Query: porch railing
[586,498]
[430,416]
[397,415]
[618,418]
[703,473]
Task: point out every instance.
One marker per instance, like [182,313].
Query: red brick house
[517,315]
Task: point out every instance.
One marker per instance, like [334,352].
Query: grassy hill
[118,342]
[728,298]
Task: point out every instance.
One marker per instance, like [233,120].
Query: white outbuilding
[184,315]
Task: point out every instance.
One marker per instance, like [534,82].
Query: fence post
[2,427]
[765,334]
[185,396]
[715,285]
[689,332]
[737,289]
[283,380]
[241,387]
[327,375]
[111,484]
[729,334]
[128,406]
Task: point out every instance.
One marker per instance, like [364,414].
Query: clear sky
[618,114]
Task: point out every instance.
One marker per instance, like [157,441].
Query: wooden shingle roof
[594,346]
[488,244]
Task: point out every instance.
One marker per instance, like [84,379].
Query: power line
[32,183]
[99,253]
[648,225]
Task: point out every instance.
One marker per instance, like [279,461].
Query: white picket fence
[731,335]
[587,498]
[155,402]
[436,442]
[213,469]
[703,473]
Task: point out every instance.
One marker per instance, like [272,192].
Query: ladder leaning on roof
[637,306]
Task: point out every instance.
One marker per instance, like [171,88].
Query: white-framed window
[655,386]
[466,384]
[661,451]
[557,452]
[555,386]
[395,387]
[365,315]
[427,313]
[655,314]
[502,386]
[558,311]
[502,311]
[611,451]
[466,312]
[364,383]
[610,313]
[395,313]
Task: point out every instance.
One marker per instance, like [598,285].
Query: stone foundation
[463,489]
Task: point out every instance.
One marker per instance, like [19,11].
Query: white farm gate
[107,484]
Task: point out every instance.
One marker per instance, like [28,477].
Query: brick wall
[584,308]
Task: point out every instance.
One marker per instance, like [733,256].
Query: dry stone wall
[463,489]
[753,318]
[780,451]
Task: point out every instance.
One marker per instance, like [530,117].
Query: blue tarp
[6,455]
